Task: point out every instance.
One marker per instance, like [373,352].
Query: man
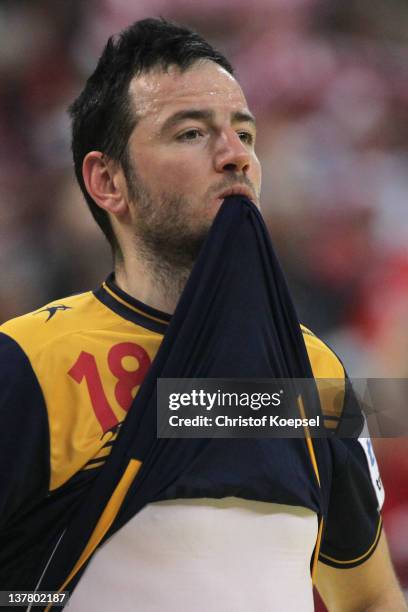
[161,136]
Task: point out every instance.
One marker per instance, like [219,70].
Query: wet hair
[102,115]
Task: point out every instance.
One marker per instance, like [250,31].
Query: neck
[156,284]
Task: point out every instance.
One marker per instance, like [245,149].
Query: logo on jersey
[52,310]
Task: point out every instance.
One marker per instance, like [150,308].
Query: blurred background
[328,82]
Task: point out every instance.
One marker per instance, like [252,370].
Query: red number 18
[86,367]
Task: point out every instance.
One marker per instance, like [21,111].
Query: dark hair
[102,115]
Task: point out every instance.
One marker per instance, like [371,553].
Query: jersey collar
[130,308]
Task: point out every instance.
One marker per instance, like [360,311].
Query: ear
[105,183]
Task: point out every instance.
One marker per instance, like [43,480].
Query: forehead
[205,84]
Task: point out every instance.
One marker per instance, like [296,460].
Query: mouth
[238,190]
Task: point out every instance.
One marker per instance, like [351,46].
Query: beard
[164,233]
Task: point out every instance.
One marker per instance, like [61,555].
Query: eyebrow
[204,115]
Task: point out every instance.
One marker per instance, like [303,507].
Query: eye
[191,134]
[246,137]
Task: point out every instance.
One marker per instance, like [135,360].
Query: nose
[232,155]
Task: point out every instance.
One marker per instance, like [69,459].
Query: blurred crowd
[328,82]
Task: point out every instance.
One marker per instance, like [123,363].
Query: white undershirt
[204,555]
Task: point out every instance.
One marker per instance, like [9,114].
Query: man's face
[192,146]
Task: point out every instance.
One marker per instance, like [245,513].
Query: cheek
[169,173]
[183,178]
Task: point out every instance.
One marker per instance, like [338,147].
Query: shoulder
[52,321]
[324,362]
[331,378]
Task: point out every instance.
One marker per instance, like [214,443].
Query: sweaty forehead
[205,84]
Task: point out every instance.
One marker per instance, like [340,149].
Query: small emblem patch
[52,310]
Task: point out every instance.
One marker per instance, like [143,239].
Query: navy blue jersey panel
[24,435]
[24,462]
[263,470]
[28,542]
[353,522]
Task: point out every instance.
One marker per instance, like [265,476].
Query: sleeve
[353,523]
[24,435]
